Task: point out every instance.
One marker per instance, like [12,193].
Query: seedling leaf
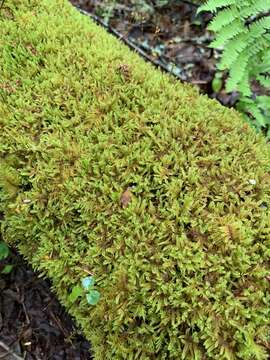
[76,292]
[7,269]
[88,282]
[93,297]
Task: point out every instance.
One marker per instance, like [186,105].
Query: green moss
[182,265]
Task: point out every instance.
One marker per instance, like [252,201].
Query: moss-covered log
[111,168]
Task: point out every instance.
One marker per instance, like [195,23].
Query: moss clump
[112,168]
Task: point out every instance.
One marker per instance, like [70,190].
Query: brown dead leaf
[125,198]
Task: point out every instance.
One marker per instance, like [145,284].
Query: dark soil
[172,36]
[33,325]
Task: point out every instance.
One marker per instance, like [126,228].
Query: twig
[2,3]
[23,304]
[199,82]
[86,270]
[58,323]
[9,352]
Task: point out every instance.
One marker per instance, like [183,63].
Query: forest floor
[171,36]
[33,325]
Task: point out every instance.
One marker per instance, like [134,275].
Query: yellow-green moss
[182,266]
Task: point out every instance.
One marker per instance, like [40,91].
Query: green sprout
[87,286]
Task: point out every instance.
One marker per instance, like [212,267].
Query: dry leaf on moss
[126,198]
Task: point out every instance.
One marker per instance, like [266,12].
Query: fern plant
[242,30]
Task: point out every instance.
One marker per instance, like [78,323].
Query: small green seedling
[4,253]
[88,282]
[76,292]
[92,295]
[217,82]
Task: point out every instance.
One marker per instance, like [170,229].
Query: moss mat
[111,169]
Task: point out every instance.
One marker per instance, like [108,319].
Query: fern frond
[232,51]
[240,67]
[249,107]
[228,32]
[237,72]
[265,65]
[252,40]
[244,87]
[264,102]
[223,18]
[242,28]
[264,81]
[255,7]
[213,5]
[259,27]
